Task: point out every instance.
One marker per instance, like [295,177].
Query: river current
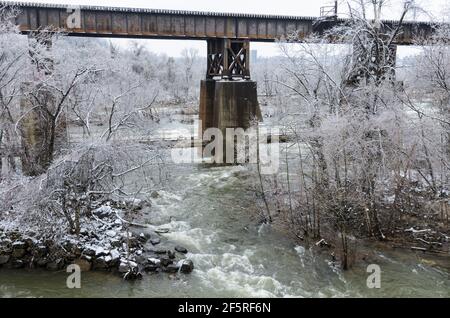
[208,211]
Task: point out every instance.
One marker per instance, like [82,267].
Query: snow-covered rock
[111,233]
[126,265]
[186,266]
[154,261]
[103,211]
[100,251]
[115,255]
[123,267]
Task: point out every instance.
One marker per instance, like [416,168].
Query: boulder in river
[115,256]
[133,274]
[101,263]
[171,254]
[181,249]
[130,270]
[100,251]
[18,249]
[84,265]
[154,261]
[159,251]
[131,241]
[55,265]
[150,268]
[144,237]
[123,267]
[152,265]
[89,251]
[126,265]
[18,263]
[4,259]
[171,268]
[42,262]
[165,261]
[40,251]
[19,245]
[155,240]
[186,266]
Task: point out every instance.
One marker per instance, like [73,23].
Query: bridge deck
[171,24]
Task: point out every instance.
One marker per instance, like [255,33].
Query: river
[208,210]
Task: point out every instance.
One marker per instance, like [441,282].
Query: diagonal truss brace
[228,59]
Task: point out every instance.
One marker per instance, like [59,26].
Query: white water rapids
[210,211]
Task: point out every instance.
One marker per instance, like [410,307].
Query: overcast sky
[281,7]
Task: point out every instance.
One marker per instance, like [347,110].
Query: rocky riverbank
[107,242]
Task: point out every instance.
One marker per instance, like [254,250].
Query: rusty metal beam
[116,22]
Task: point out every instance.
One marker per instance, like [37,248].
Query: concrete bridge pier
[236,104]
[39,139]
[228,104]
[39,142]
[228,98]
[34,134]
[206,113]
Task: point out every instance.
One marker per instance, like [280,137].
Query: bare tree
[189,59]
[361,154]
[46,99]
[12,64]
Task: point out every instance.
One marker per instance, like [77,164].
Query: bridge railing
[328,11]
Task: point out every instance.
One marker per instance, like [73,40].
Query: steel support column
[228,59]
